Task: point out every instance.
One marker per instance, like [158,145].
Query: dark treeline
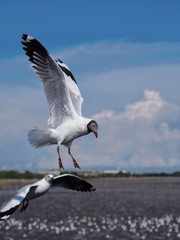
[33,175]
[162,174]
[17,175]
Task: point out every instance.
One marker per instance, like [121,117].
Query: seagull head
[93,127]
[49,177]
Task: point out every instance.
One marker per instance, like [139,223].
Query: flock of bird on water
[66,124]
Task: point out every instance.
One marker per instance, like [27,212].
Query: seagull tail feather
[40,137]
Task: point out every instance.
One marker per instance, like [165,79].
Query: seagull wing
[72,182]
[74,91]
[9,207]
[54,83]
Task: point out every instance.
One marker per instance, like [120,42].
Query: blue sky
[125,56]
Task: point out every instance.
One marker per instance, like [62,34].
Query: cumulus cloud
[145,135]
[106,55]
[17,113]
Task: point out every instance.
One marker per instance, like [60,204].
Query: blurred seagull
[64,99]
[39,188]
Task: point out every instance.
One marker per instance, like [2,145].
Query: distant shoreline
[4,183]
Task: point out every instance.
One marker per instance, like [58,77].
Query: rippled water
[123,209]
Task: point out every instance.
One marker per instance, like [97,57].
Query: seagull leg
[59,158]
[76,165]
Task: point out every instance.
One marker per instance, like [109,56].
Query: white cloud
[146,109]
[21,108]
[107,55]
[141,135]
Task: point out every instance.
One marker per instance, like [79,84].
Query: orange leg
[76,165]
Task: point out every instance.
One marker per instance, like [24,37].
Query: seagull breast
[72,129]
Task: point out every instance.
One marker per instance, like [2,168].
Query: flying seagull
[64,99]
[31,191]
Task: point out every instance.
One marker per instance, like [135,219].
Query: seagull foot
[60,163]
[76,165]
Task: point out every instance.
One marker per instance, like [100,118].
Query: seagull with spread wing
[64,99]
[39,188]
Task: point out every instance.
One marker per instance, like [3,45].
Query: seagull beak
[96,134]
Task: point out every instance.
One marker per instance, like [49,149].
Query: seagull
[31,191]
[64,100]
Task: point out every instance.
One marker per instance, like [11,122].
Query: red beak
[96,134]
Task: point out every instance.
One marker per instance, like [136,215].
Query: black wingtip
[86,187]
[92,189]
[32,46]
[24,36]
